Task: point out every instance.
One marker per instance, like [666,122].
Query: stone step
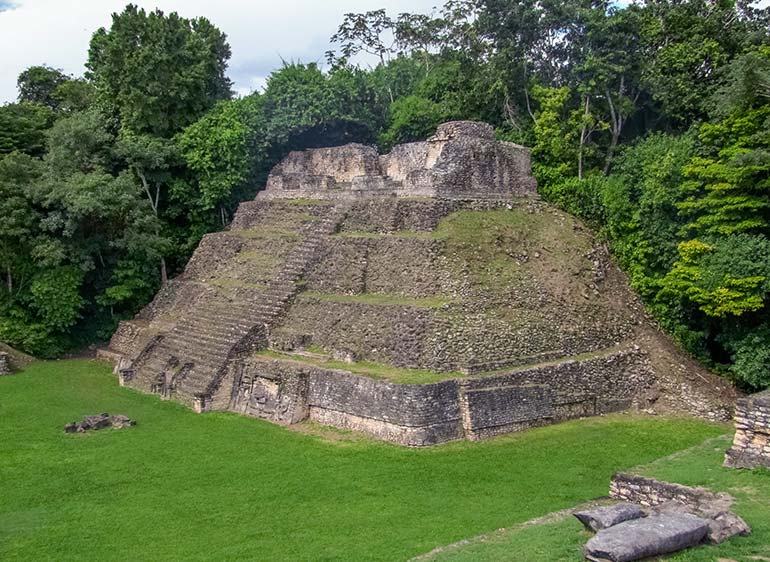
[209,344]
[180,341]
[213,322]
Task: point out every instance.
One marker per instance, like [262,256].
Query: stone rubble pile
[657,518]
[99,421]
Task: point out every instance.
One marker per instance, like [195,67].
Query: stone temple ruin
[419,296]
[751,445]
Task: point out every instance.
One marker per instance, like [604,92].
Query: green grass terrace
[218,486]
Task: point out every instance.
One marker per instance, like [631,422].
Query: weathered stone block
[642,538]
[603,517]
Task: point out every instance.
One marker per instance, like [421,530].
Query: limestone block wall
[335,164]
[751,446]
[555,392]
[287,391]
[5,363]
[461,161]
[650,493]
[412,415]
[270,390]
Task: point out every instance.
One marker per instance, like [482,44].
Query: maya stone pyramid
[419,296]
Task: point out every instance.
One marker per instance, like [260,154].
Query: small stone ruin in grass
[99,421]
[5,364]
[657,518]
[751,446]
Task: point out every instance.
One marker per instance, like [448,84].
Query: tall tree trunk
[154,200]
[616,122]
[9,280]
[584,132]
[529,107]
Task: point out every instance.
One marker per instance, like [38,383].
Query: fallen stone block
[650,536]
[606,516]
[725,526]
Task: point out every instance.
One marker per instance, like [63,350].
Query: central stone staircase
[188,361]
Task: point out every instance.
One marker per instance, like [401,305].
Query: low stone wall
[286,391]
[651,493]
[751,446]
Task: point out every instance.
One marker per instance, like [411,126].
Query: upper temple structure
[461,161]
[419,296]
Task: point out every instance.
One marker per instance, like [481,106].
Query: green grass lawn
[219,486]
[563,538]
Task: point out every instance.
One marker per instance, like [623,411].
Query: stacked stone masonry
[286,391]
[340,257]
[751,446]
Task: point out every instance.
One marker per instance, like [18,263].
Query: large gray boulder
[651,536]
[606,516]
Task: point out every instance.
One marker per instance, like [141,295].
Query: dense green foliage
[650,122]
[219,486]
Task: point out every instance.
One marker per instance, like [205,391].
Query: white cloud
[260,33]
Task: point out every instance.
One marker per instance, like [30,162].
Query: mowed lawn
[562,538]
[220,486]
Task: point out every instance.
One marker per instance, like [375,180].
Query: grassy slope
[222,486]
[562,539]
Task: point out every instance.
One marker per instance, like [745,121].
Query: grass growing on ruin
[562,538]
[380,299]
[419,234]
[482,241]
[182,486]
[367,368]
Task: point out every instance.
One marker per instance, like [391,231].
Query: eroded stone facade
[461,161]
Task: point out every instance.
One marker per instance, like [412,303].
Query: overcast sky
[260,32]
